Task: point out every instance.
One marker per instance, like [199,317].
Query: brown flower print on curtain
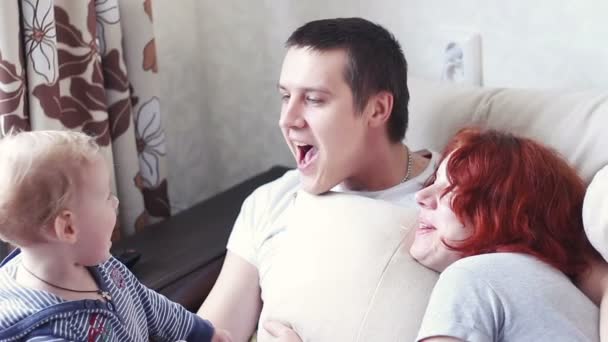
[90,66]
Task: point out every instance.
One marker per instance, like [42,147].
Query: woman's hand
[281,332]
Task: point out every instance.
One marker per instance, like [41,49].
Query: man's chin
[314,187]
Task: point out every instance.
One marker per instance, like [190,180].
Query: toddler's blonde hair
[38,175]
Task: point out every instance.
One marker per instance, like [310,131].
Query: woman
[502,222]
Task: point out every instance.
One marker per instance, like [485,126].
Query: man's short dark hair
[376,62]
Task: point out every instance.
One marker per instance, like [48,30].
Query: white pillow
[344,273]
[595,212]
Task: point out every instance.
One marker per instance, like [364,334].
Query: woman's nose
[426,198]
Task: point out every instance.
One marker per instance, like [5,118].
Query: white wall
[219,64]
[525,43]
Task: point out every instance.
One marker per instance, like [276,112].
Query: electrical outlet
[461,58]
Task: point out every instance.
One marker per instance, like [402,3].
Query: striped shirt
[134,313]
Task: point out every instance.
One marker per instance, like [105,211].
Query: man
[344,115]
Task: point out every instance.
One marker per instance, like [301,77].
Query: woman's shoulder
[492,260]
[501,267]
[523,289]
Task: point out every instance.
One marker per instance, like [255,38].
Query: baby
[62,283]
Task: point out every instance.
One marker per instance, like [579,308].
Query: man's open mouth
[306,154]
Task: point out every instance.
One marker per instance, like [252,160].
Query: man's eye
[313,100]
[284,97]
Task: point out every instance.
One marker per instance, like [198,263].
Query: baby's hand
[221,336]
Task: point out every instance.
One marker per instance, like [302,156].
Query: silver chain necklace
[409,166]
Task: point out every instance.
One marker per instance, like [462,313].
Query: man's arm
[234,303]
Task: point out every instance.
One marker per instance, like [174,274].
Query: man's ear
[63,227]
[379,107]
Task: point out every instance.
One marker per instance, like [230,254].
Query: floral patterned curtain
[90,66]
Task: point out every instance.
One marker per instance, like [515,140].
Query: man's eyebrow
[317,90]
[307,89]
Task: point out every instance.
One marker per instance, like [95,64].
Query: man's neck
[382,167]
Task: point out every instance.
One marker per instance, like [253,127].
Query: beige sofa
[573,122]
[353,279]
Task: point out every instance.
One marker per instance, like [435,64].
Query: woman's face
[437,223]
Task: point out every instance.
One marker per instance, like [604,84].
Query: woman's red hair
[517,196]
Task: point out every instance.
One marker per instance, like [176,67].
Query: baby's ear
[63,228]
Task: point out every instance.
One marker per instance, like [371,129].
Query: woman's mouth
[424,228]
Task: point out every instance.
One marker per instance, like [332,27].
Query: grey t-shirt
[508,297]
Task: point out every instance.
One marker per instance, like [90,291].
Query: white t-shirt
[264,214]
[508,297]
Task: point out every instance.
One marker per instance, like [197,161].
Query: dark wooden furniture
[181,257]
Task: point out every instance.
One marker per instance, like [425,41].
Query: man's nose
[292,115]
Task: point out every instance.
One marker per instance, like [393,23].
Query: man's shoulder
[278,189]
[269,202]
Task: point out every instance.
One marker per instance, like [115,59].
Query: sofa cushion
[344,273]
[595,212]
[572,122]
